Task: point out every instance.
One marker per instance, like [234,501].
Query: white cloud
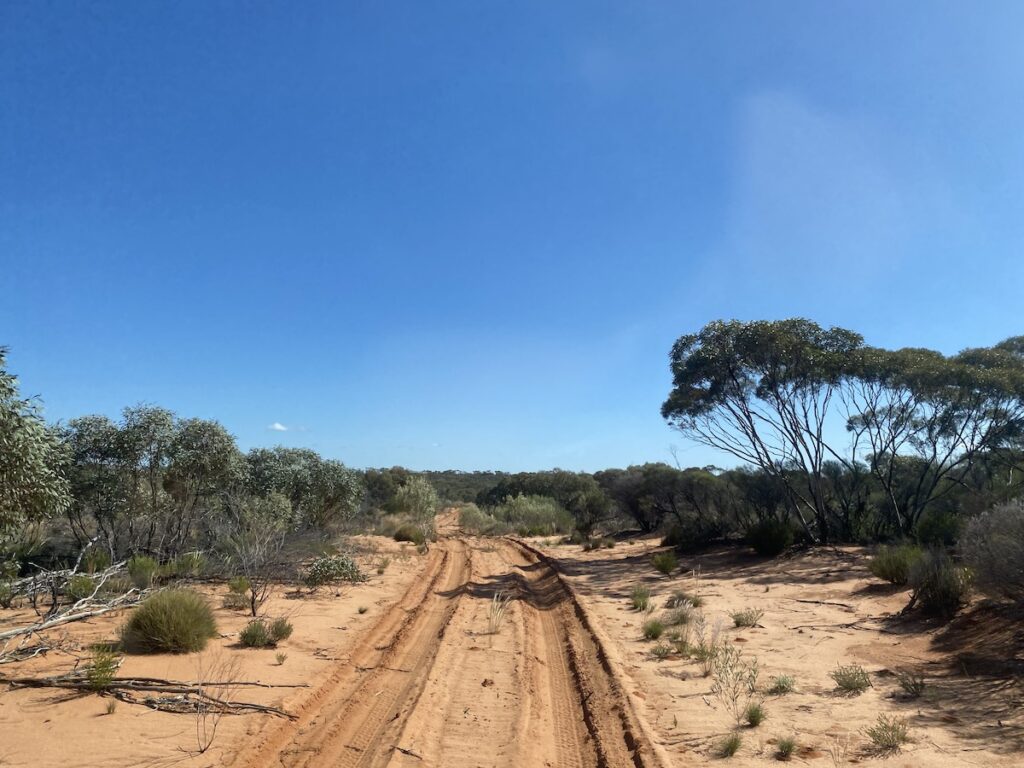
[277,426]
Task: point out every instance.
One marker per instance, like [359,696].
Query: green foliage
[533,515]
[99,674]
[785,747]
[653,629]
[730,745]
[280,629]
[911,681]
[255,634]
[754,714]
[410,532]
[851,679]
[661,651]
[781,685]
[6,595]
[33,485]
[603,542]
[330,570]
[770,537]
[681,599]
[417,498]
[889,733]
[142,570]
[665,562]
[189,565]
[473,520]
[894,563]
[79,587]
[237,598]
[678,617]
[321,492]
[173,621]
[993,546]
[939,586]
[95,560]
[748,617]
[640,597]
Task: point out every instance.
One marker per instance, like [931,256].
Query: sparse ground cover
[941,693]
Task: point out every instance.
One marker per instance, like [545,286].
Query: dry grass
[496,613]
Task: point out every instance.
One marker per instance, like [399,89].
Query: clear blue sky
[465,234]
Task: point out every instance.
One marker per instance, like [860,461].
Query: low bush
[189,565]
[894,563]
[911,682]
[939,586]
[665,562]
[785,747]
[653,629]
[79,587]
[410,532]
[258,633]
[677,617]
[640,597]
[95,560]
[280,629]
[142,570]
[851,678]
[781,685]
[993,546]
[680,599]
[102,668]
[770,537]
[332,569]
[888,734]
[534,516]
[730,745]
[754,714]
[473,520]
[661,651]
[174,621]
[603,542]
[237,598]
[748,617]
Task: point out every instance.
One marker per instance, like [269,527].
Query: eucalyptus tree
[762,392]
[32,482]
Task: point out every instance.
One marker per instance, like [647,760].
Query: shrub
[754,714]
[186,566]
[534,516]
[280,629]
[280,657]
[781,685]
[680,599]
[678,617]
[653,629]
[748,617]
[993,546]
[603,542]
[237,598]
[939,586]
[939,528]
[383,565]
[665,562]
[785,747]
[6,595]
[735,682]
[255,634]
[730,745]
[142,571]
[661,651]
[174,621]
[327,570]
[79,587]
[770,537]
[95,560]
[851,678]
[410,532]
[893,564]
[911,682]
[640,597]
[888,733]
[101,670]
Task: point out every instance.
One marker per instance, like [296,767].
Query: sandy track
[428,686]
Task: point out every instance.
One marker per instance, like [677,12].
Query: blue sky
[465,234]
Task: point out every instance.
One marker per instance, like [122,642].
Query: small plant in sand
[332,569]
[383,565]
[259,634]
[237,598]
[212,704]
[111,706]
[851,678]
[679,637]
[748,617]
[653,629]
[735,683]
[754,714]
[785,747]
[102,668]
[681,599]
[280,657]
[911,681]
[661,651]
[665,562]
[362,609]
[730,745]
[839,749]
[707,644]
[781,685]
[888,734]
[496,613]
[678,617]
[640,597]
[939,586]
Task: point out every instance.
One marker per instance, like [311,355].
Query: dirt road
[429,686]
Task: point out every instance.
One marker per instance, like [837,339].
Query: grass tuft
[851,679]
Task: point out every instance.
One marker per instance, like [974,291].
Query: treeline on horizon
[835,441]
